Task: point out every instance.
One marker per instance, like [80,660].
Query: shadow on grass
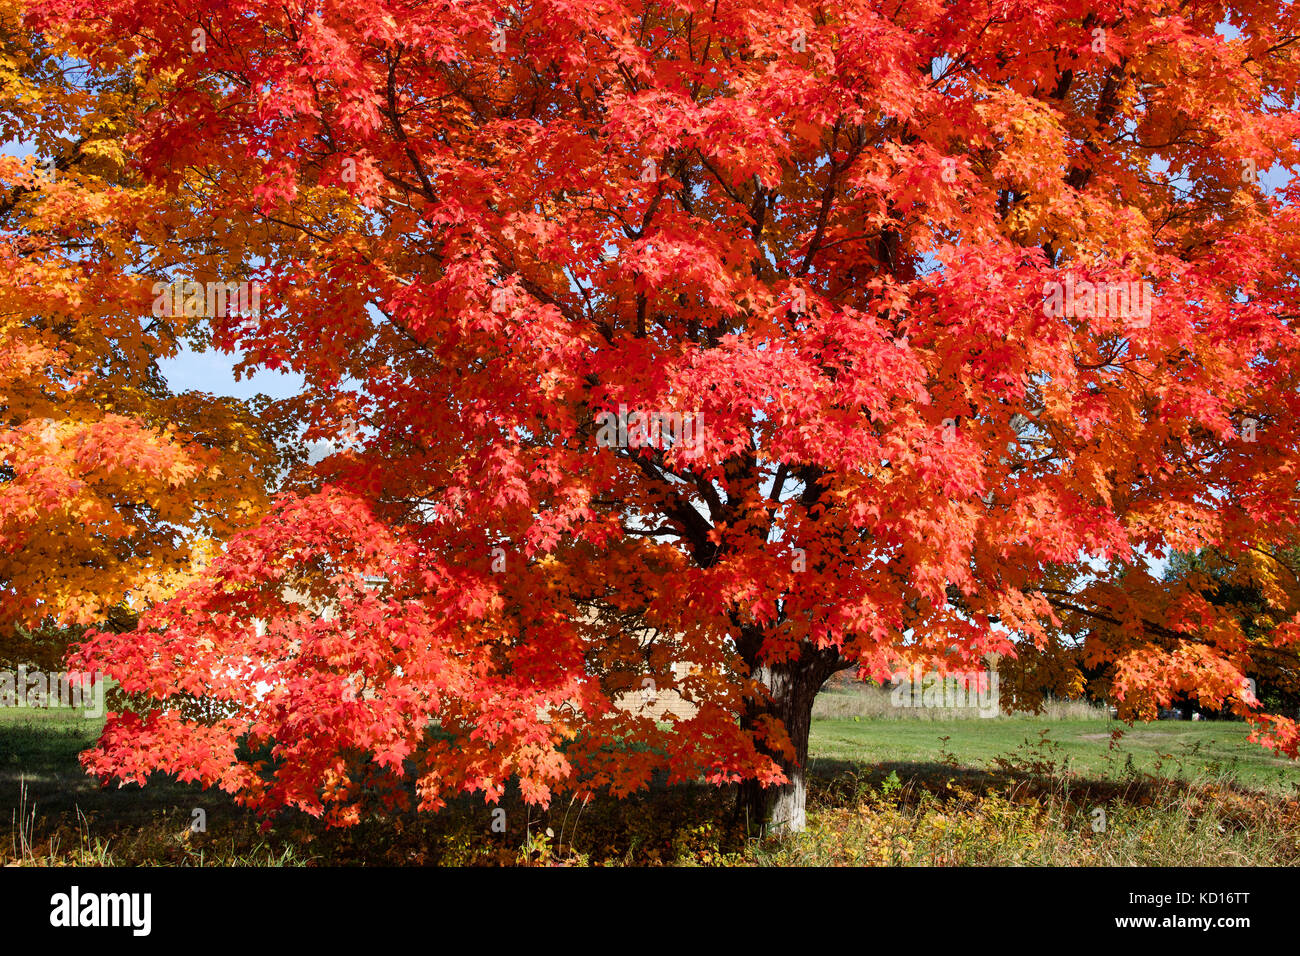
[838,780]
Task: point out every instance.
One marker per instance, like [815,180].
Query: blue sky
[214,372]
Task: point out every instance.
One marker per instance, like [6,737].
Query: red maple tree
[776,338]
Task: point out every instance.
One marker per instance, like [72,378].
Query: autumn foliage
[980,310]
[108,479]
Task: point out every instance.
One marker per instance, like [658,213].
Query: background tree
[1260,588]
[851,238]
[107,477]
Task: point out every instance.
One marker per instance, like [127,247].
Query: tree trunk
[779,809]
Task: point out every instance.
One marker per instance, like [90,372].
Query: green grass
[1193,752]
[882,791]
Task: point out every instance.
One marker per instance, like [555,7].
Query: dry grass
[965,819]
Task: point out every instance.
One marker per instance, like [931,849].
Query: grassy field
[1054,789]
[1204,752]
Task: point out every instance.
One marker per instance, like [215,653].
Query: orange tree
[769,338]
[107,477]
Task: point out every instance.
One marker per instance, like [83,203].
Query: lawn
[1194,752]
[882,791]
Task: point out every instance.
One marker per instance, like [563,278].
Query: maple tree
[976,310]
[108,479]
